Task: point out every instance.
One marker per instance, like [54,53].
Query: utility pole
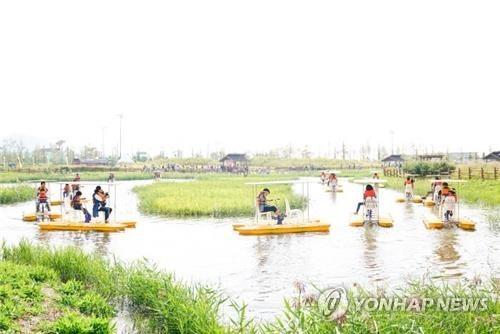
[392,141]
[120,147]
[103,133]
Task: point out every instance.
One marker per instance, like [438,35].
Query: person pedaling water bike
[76,204]
[323,177]
[448,202]
[368,195]
[42,197]
[436,187]
[263,206]
[75,187]
[67,193]
[332,181]
[409,185]
[99,204]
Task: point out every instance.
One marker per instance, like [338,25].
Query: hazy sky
[244,75]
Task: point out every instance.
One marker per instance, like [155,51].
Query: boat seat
[371,208]
[291,213]
[371,203]
[263,215]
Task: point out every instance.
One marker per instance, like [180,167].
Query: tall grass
[13,177]
[160,304]
[157,302]
[480,192]
[216,196]
[21,193]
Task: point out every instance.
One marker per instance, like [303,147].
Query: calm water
[262,270]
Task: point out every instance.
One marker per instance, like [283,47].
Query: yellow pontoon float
[413,198]
[370,214]
[432,200]
[41,213]
[32,217]
[432,221]
[73,220]
[429,202]
[296,221]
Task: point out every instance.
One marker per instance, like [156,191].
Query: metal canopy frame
[458,199]
[305,193]
[366,182]
[110,185]
[369,181]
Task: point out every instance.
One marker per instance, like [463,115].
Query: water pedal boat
[466,224]
[237,226]
[429,202]
[417,199]
[266,229]
[359,221]
[433,222]
[32,217]
[69,226]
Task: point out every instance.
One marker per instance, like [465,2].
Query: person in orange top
[42,196]
[369,193]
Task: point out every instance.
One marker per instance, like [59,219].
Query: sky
[251,75]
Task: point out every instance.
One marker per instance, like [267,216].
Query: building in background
[393,160]
[234,163]
[493,156]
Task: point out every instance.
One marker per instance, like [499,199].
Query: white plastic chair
[291,213]
[371,206]
[262,215]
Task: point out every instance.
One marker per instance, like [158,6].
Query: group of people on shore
[72,197]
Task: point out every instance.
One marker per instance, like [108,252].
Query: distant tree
[306,153]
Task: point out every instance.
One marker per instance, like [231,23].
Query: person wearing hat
[262,204]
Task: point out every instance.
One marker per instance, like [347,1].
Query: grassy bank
[479,192]
[215,196]
[36,299]
[13,177]
[21,193]
[67,291]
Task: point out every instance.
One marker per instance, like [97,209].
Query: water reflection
[447,254]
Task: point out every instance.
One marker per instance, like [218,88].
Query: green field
[476,192]
[212,196]
[13,177]
[45,290]
[18,193]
